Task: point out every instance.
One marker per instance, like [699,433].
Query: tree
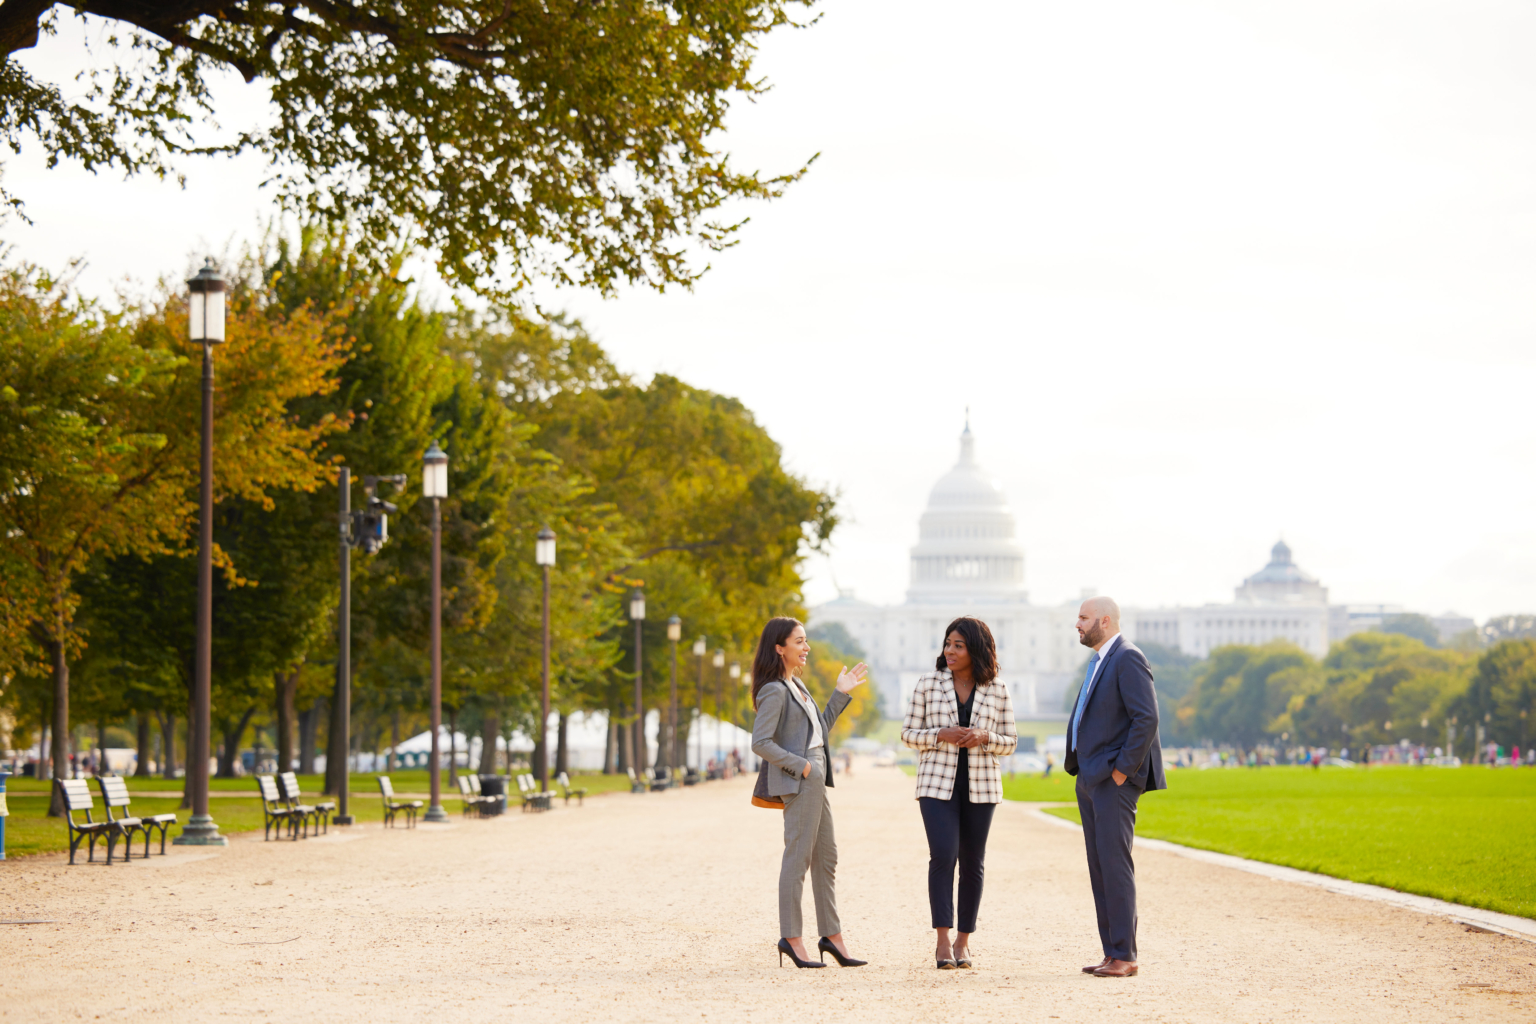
[514,138]
[1502,692]
[1242,690]
[1378,688]
[99,419]
[1421,627]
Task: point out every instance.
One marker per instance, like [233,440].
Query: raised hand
[849,678]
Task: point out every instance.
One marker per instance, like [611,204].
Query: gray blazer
[782,733]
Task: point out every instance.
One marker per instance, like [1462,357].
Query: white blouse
[804,700]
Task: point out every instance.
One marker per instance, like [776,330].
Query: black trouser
[1109,826]
[957,830]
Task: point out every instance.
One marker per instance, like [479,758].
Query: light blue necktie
[1082,696]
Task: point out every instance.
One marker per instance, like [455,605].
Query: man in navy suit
[1113,750]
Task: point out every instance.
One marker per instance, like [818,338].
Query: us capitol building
[967,561]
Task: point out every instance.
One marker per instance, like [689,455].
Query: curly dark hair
[979,642]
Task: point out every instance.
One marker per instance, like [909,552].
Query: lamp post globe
[205,324]
[434,485]
[544,557]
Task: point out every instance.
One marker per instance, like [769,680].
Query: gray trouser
[1109,827]
[809,843]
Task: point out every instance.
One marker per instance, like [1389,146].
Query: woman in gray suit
[790,735]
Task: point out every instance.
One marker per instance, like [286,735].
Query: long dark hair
[766,663]
[979,642]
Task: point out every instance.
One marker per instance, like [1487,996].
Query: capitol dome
[966,549]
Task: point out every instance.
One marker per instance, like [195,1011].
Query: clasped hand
[962,737]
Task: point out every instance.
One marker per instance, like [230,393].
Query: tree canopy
[514,139]
[330,361]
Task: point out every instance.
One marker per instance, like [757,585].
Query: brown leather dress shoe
[1116,969]
[1093,967]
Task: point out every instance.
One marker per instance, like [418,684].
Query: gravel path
[661,908]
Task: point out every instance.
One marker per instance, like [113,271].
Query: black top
[963,769]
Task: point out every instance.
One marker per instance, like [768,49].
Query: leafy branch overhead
[517,139]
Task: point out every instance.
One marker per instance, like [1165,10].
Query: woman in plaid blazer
[961,719]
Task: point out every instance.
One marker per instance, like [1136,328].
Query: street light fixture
[637,613]
[434,485]
[674,634]
[544,556]
[205,320]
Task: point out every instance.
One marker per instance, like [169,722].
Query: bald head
[1097,620]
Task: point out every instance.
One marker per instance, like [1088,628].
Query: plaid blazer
[935,707]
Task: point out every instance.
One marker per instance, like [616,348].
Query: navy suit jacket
[1119,726]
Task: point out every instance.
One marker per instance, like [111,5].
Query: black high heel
[825,945]
[785,947]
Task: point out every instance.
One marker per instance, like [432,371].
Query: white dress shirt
[804,700]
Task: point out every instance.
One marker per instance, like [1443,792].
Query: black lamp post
[544,556]
[637,612]
[206,322]
[735,674]
[700,648]
[674,634]
[719,728]
[434,485]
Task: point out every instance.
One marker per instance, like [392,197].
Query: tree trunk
[60,752]
[394,739]
[562,752]
[44,764]
[626,743]
[490,728]
[141,723]
[167,744]
[231,748]
[611,745]
[453,747]
[101,748]
[286,686]
[309,726]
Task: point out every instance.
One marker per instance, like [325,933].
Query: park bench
[321,810]
[393,806]
[659,778]
[566,790]
[275,810]
[533,798]
[635,785]
[76,796]
[114,793]
[301,814]
[471,799]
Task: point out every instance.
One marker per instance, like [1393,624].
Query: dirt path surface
[661,908]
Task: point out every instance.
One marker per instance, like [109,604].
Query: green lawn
[1466,835]
[30,830]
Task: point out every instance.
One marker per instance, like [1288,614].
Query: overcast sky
[1206,274]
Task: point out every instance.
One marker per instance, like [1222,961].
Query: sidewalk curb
[1469,917]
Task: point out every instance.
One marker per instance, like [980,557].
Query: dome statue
[966,549]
